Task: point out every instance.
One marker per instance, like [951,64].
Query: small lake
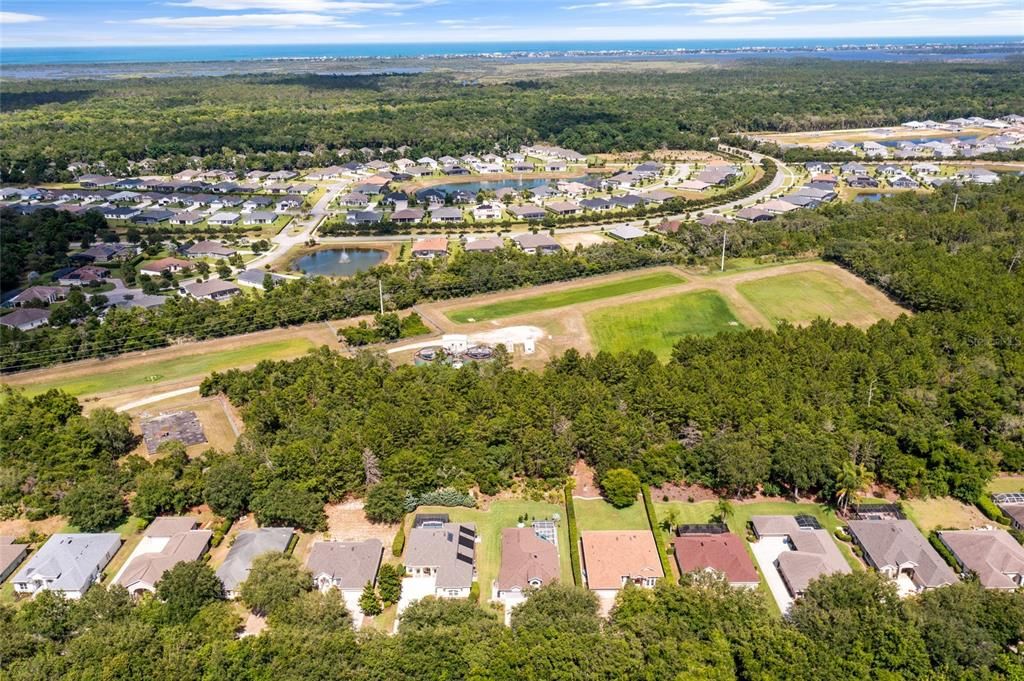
[339,262]
[517,184]
[876,196]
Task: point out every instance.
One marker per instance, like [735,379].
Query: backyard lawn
[658,324]
[174,368]
[598,514]
[489,525]
[801,298]
[573,296]
[943,512]
[1003,484]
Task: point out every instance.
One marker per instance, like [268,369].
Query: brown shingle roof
[526,559]
[994,555]
[608,556]
[721,552]
[349,565]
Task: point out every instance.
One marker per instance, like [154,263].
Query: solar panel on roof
[807,522]
[468,531]
[464,558]
[466,541]
[709,528]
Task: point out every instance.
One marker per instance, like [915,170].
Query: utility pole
[724,232]
[380,293]
[956,200]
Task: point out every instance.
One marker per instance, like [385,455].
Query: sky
[49,23]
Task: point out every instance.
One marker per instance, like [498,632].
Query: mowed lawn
[658,324]
[489,525]
[574,296]
[598,514]
[107,380]
[802,297]
[943,513]
[1006,483]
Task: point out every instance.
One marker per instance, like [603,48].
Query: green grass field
[489,525]
[802,297]
[106,380]
[598,514]
[1009,483]
[658,324]
[943,512]
[573,296]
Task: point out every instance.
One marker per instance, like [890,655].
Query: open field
[658,324]
[564,298]
[820,138]
[598,514]
[1005,483]
[489,524]
[573,239]
[943,512]
[802,297]
[173,369]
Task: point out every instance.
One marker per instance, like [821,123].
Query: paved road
[288,237]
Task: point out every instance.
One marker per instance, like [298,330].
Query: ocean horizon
[70,55]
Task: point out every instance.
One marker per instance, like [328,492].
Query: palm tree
[851,481]
[724,510]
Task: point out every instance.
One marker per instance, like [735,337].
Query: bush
[385,503]
[398,544]
[474,592]
[574,537]
[620,486]
[94,505]
[943,550]
[444,496]
[990,510]
[659,540]
[841,535]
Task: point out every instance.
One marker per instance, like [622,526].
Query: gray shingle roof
[69,561]
[898,542]
[349,565]
[247,547]
[451,549]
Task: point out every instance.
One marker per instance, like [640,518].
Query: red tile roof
[722,552]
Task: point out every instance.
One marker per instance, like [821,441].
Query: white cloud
[737,20]
[750,9]
[300,6]
[237,21]
[19,18]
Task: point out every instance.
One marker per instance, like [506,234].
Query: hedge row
[398,543]
[574,537]
[943,550]
[652,520]
[990,510]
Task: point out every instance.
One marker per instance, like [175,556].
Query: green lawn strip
[174,368]
[489,525]
[804,296]
[1001,485]
[598,514]
[658,324]
[556,299]
[659,537]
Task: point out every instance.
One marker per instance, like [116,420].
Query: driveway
[415,588]
[766,550]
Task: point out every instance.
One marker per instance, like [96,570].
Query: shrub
[652,520]
[574,537]
[990,510]
[385,503]
[443,496]
[841,535]
[474,592]
[942,549]
[398,544]
[620,486]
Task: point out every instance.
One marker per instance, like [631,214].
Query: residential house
[96,180]
[1012,504]
[68,564]
[874,150]
[754,214]
[627,201]
[259,217]
[248,546]
[119,212]
[364,217]
[926,168]
[805,550]
[152,217]
[446,214]
[223,219]
[26,318]
[88,274]
[658,196]
[817,167]
[612,559]
[527,211]
[627,232]
[539,243]
[345,566]
[977,175]
[528,561]
[254,278]
[712,548]
[563,207]
[841,146]
[993,555]
[693,185]
[484,245]
[853,168]
[407,215]
[213,289]
[447,554]
[257,202]
[903,182]
[778,206]
[187,217]
[487,211]
[158,267]
[596,204]
[11,555]
[710,219]
[40,294]
[897,549]
[165,543]
[436,247]
[209,249]
[889,169]
[863,182]
[354,199]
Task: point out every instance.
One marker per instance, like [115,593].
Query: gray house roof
[11,555]
[814,553]
[69,561]
[247,547]
[349,565]
[895,543]
[451,549]
[994,555]
[539,240]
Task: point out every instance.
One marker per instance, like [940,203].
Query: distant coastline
[57,62]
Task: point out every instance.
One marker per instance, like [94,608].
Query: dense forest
[437,114]
[850,627]
[316,299]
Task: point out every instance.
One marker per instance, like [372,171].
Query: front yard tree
[620,487]
[385,503]
[228,488]
[94,505]
[389,582]
[275,580]
[369,603]
[186,588]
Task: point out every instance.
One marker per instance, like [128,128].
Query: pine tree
[369,603]
[389,581]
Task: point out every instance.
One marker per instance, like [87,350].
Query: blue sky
[28,23]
